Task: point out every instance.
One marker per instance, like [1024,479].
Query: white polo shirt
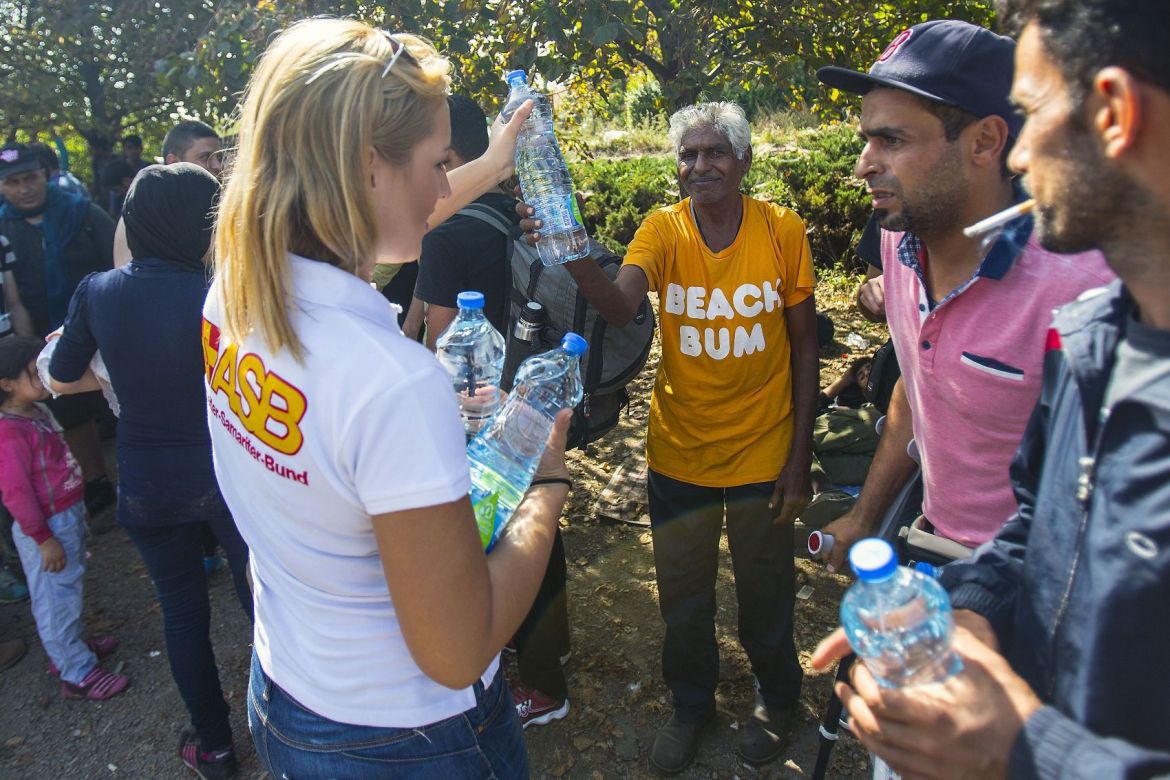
[305,453]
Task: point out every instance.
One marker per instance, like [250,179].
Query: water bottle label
[485,516]
[882,771]
[576,212]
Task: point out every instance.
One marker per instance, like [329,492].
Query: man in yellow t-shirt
[730,422]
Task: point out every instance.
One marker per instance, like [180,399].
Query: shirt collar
[327,285]
[1008,246]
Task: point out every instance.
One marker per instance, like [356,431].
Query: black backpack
[884,373]
[616,354]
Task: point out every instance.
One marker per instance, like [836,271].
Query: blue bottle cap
[922,567]
[873,560]
[574,344]
[470,299]
[514,76]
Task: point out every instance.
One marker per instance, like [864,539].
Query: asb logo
[895,44]
[269,407]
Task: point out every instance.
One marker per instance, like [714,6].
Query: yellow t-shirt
[721,410]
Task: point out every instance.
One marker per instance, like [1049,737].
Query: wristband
[552,481]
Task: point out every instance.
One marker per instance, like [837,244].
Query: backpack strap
[485,213]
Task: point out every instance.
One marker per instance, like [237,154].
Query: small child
[43,489]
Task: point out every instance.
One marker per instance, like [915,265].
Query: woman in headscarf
[145,318]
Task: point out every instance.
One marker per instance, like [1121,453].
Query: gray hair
[725,117]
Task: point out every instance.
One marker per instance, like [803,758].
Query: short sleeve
[796,257]
[76,346]
[7,256]
[648,251]
[439,279]
[404,447]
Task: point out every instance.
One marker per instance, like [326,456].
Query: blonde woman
[337,441]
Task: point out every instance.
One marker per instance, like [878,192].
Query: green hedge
[812,175]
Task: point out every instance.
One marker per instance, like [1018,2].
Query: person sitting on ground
[731,419]
[145,319]
[379,620]
[845,438]
[58,239]
[1062,631]
[847,390]
[43,489]
[967,319]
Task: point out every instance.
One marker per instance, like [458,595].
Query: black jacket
[92,249]
[1077,583]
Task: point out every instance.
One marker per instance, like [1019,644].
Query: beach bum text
[264,459]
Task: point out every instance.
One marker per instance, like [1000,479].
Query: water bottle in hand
[472,352]
[897,620]
[544,177]
[505,454]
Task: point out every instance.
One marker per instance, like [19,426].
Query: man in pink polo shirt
[968,319]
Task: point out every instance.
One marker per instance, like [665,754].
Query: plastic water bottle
[505,454]
[897,620]
[544,177]
[472,351]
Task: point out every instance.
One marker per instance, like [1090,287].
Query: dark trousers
[686,522]
[173,555]
[543,637]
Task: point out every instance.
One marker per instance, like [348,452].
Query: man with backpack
[467,253]
[730,422]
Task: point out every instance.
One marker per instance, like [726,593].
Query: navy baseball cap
[18,158]
[956,63]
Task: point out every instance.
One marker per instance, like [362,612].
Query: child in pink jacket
[42,487]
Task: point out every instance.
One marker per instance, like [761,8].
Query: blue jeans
[56,598]
[294,743]
[173,555]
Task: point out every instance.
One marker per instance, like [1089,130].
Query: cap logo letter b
[895,44]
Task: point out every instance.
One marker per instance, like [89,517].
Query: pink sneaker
[536,709]
[98,685]
[100,646]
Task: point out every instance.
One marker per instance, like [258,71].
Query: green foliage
[811,174]
[620,193]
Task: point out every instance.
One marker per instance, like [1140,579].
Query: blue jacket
[1077,584]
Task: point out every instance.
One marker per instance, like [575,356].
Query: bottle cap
[533,312]
[470,299]
[574,344]
[873,560]
[922,567]
[516,76]
[819,544]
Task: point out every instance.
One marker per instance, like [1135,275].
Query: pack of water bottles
[544,177]
[507,441]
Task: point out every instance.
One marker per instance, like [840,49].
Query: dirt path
[617,696]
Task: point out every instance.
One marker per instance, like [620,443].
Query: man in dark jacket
[58,238]
[1063,629]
